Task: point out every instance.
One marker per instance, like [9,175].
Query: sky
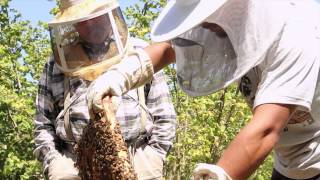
[38,10]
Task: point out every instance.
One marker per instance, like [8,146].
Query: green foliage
[141,16]
[23,50]
[55,10]
[206,125]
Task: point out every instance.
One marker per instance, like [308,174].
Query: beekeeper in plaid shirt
[88,38]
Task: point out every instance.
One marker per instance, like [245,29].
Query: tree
[23,50]
[140,17]
[207,124]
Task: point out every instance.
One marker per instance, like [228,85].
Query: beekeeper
[88,38]
[271,48]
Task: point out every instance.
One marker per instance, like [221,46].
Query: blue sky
[38,10]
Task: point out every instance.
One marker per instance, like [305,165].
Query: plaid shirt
[50,133]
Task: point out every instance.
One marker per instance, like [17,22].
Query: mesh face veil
[88,46]
[207,61]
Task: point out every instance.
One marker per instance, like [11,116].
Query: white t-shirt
[289,75]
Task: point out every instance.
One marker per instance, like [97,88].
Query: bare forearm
[161,55]
[247,151]
[255,141]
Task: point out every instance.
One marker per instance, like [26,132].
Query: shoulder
[50,63]
[159,79]
[51,72]
[159,75]
[49,67]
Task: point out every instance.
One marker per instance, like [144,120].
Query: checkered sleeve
[164,116]
[45,138]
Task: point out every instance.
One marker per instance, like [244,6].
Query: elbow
[261,141]
[271,137]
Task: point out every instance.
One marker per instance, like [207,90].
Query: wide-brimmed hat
[179,16]
[76,10]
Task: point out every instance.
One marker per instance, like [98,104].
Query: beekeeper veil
[88,37]
[207,62]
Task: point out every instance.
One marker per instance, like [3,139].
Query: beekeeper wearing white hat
[89,37]
[271,48]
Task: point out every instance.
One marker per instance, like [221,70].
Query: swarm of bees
[102,153]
